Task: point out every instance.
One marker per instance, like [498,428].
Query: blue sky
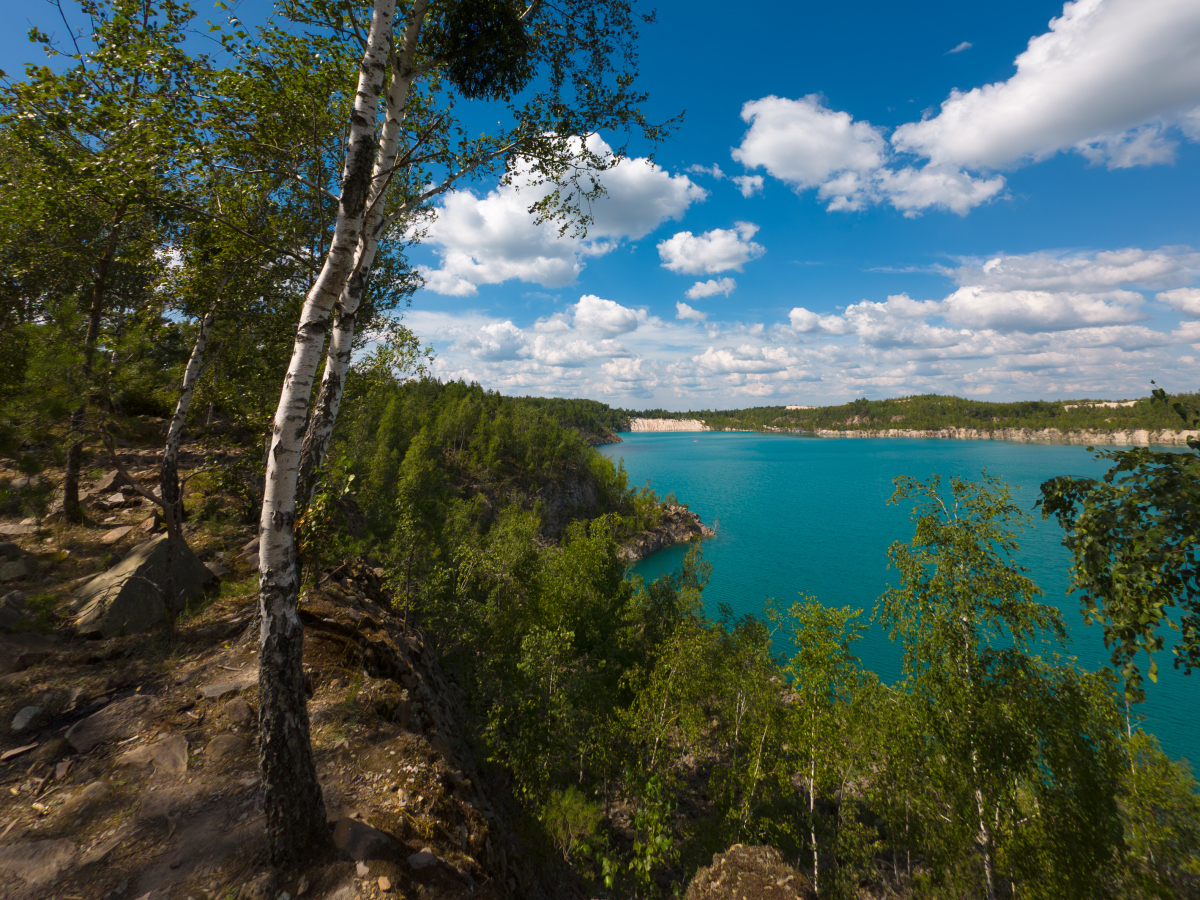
[933,197]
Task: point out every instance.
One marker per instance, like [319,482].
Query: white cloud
[1106,79]
[911,190]
[606,317]
[709,288]
[496,341]
[1184,300]
[965,45]
[1166,267]
[713,251]
[742,360]
[493,238]
[1117,81]
[1030,311]
[806,145]
[1038,324]
[748,184]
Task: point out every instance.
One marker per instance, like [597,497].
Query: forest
[933,411]
[204,252]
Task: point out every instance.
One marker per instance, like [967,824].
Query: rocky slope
[1022,435]
[677,524]
[132,772]
[667,425]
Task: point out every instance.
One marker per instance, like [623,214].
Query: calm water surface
[799,514]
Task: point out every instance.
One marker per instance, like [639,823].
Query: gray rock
[168,754]
[82,801]
[359,841]
[422,859]
[218,568]
[128,597]
[25,718]
[112,481]
[11,530]
[251,546]
[9,550]
[26,482]
[13,612]
[38,862]
[112,537]
[223,688]
[15,570]
[252,561]
[116,722]
[239,711]
[225,746]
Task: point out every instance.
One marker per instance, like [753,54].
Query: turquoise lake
[802,514]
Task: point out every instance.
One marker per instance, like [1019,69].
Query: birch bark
[337,361]
[295,810]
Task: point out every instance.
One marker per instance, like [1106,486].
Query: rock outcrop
[128,597]
[678,524]
[667,425]
[1139,436]
[749,873]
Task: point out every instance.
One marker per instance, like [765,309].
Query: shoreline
[1140,437]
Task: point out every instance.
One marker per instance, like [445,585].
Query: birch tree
[474,49]
[999,723]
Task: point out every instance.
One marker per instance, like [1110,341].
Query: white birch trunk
[295,811]
[337,360]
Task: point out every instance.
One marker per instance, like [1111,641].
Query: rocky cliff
[678,524]
[667,425]
[1020,435]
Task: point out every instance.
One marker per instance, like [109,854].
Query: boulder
[112,481]
[168,754]
[15,529]
[25,717]
[14,615]
[749,873]
[128,597]
[9,550]
[225,746]
[116,722]
[38,862]
[15,570]
[112,537]
[359,841]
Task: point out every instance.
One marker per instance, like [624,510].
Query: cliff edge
[678,524]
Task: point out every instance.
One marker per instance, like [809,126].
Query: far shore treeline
[921,412]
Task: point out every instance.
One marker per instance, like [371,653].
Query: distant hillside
[932,411]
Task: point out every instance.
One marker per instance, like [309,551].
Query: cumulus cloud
[496,341]
[1184,300]
[606,316]
[806,145]
[1010,326]
[1117,81]
[1030,311]
[492,238]
[803,143]
[712,286]
[718,250]
[1108,78]
[1166,267]
[749,185]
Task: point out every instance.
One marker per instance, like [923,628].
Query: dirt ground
[134,771]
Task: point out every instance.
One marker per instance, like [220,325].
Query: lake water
[802,514]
